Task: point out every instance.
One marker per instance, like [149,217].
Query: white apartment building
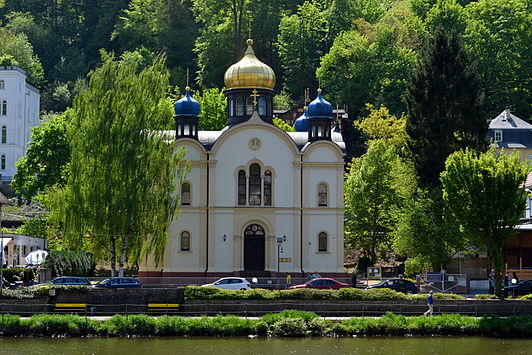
[19,112]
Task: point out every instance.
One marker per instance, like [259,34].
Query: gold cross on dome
[254,95]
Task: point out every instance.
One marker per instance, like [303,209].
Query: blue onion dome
[187,106]
[319,108]
[301,124]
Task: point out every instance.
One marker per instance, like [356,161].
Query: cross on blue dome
[187,106]
[319,108]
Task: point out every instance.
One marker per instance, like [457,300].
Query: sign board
[285,260]
[374,272]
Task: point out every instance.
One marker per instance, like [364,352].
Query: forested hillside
[363,51]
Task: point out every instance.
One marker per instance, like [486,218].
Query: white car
[231,283]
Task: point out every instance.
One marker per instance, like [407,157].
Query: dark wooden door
[254,247]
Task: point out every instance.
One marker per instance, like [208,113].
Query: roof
[507,120]
[208,138]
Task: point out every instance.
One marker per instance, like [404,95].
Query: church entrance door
[254,247]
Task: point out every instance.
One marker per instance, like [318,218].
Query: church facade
[257,200]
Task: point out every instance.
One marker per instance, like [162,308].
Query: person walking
[506,280]
[288,281]
[430,303]
[354,280]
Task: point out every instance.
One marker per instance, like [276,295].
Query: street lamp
[3,201]
[280,239]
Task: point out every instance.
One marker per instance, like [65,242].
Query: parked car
[321,283]
[119,282]
[71,280]
[523,287]
[230,283]
[398,285]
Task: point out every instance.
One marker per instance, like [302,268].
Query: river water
[262,345]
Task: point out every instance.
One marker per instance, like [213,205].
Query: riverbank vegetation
[289,323]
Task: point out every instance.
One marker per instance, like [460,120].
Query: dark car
[523,287]
[398,285]
[321,283]
[119,282]
[71,280]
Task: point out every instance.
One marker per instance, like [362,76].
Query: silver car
[231,283]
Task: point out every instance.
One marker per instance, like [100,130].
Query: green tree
[213,111]
[46,161]
[425,232]
[283,125]
[373,189]
[302,41]
[357,71]
[383,126]
[123,174]
[18,47]
[499,36]
[444,107]
[484,192]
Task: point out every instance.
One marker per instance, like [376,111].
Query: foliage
[282,101]
[212,293]
[373,190]
[288,323]
[485,297]
[16,50]
[381,125]
[498,36]
[213,111]
[69,263]
[46,162]
[122,175]
[444,106]
[426,232]
[485,194]
[283,125]
[18,274]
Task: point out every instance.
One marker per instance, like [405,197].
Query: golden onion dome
[249,72]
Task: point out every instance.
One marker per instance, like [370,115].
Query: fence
[443,282]
[338,309]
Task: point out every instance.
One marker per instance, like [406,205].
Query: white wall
[23,102]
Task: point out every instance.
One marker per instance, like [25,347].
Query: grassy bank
[285,324]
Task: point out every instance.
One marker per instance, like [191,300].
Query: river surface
[262,345]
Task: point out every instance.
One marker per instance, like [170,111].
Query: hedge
[212,293]
[288,323]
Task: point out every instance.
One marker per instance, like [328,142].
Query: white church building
[257,200]
[19,112]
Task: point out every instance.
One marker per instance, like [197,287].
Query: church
[257,201]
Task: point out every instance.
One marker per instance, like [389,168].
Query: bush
[137,325]
[293,323]
[18,274]
[10,325]
[526,297]
[171,325]
[60,324]
[486,297]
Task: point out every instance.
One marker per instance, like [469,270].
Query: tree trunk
[113,257]
[123,253]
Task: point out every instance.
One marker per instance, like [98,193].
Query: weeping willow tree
[124,171]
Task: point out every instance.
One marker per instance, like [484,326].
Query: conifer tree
[444,103]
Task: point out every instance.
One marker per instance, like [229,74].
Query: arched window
[185,241]
[241,188]
[267,188]
[322,241]
[2,85]
[262,106]
[239,106]
[4,134]
[185,194]
[3,162]
[249,106]
[322,194]
[4,107]
[231,107]
[254,184]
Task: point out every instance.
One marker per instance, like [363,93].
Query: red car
[321,283]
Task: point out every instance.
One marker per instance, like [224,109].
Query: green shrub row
[42,291]
[212,293]
[286,324]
